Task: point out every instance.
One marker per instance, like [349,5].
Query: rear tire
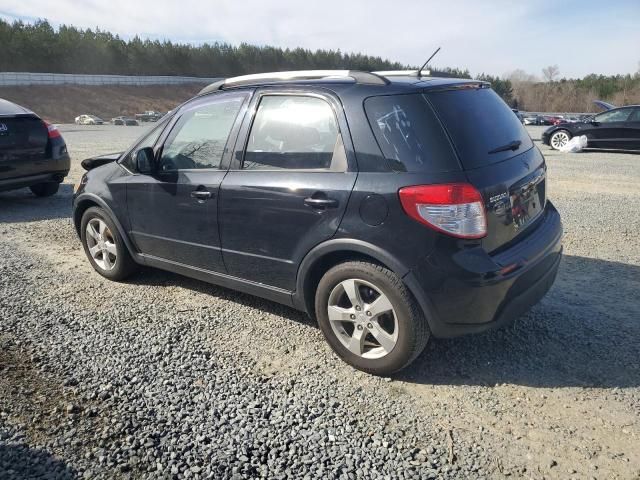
[369,317]
[104,246]
[559,139]
[45,189]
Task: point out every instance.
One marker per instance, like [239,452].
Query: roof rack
[403,73]
[357,76]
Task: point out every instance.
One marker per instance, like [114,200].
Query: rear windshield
[479,122]
[409,134]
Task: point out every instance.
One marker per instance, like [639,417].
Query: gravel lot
[167,377]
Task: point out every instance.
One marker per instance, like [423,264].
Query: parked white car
[88,120]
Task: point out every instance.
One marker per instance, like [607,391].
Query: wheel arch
[85,202]
[562,129]
[329,254]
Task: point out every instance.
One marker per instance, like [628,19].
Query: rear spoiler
[604,105]
[472,84]
[93,162]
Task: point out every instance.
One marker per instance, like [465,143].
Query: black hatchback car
[390,207]
[32,152]
[615,129]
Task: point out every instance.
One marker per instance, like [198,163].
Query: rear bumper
[24,172]
[472,291]
[27,181]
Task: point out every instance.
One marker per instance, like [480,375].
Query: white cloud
[483,36]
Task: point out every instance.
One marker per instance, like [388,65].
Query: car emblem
[3,127]
[498,198]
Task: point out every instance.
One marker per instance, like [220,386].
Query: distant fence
[26,78]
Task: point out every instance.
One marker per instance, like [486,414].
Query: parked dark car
[518,114]
[32,152]
[127,121]
[391,208]
[615,129]
[149,116]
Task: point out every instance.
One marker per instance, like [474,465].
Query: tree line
[555,94]
[550,93]
[39,47]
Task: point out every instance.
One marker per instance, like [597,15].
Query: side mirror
[145,161]
[594,122]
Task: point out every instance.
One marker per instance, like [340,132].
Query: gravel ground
[167,377]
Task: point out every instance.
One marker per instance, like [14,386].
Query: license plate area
[527,199]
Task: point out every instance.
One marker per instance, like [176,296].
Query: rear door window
[294,132]
[480,124]
[618,115]
[409,134]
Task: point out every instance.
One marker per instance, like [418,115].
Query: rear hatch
[23,145]
[498,157]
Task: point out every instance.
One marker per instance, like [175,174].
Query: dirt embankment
[62,103]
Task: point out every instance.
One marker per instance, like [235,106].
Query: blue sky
[580,36]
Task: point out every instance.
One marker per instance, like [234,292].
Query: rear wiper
[515,145]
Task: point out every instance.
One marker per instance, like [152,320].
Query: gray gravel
[167,377]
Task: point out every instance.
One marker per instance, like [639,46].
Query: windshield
[483,128]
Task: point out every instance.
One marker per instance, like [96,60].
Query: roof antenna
[425,63]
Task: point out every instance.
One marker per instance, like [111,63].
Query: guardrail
[27,78]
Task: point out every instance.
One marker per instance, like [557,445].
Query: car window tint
[480,124]
[409,134]
[635,116]
[198,138]
[619,115]
[293,132]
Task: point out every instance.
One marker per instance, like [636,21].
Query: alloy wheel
[559,139]
[363,318]
[101,244]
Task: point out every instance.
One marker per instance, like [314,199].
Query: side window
[198,138]
[294,133]
[635,116]
[129,162]
[618,115]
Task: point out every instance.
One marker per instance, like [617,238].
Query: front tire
[559,139]
[369,317]
[104,246]
[45,189]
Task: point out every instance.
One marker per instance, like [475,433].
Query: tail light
[53,130]
[456,209]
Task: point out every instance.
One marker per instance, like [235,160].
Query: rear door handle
[321,203]
[201,194]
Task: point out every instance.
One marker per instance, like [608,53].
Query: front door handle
[321,203]
[201,194]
